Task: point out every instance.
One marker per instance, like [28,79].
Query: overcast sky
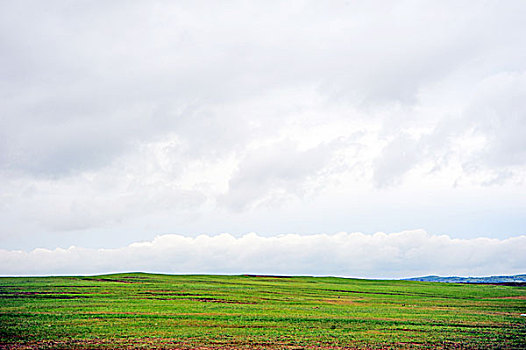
[257,136]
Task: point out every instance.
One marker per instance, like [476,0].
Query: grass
[139,310]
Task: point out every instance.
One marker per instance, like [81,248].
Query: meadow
[137,310]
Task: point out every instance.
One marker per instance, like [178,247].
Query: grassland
[194,311]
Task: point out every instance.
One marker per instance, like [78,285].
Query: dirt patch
[168,293]
[120,313]
[339,301]
[146,343]
[110,280]
[519,297]
[46,295]
[397,293]
[363,292]
[73,286]
[221,301]
[194,298]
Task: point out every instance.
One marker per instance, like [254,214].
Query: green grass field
[194,311]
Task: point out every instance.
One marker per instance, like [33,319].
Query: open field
[194,311]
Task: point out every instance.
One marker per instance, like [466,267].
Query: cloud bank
[381,255]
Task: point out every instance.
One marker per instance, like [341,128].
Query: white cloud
[403,254]
[188,112]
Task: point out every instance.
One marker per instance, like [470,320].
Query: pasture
[137,310]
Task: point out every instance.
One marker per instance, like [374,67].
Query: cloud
[112,113]
[82,91]
[271,170]
[498,113]
[398,157]
[403,254]
[485,138]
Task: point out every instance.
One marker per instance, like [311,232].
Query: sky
[375,139]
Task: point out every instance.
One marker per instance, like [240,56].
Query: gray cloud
[399,156]
[277,169]
[498,112]
[130,108]
[494,118]
[85,82]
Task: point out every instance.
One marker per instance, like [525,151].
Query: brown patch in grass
[152,313]
[168,293]
[222,301]
[151,295]
[47,295]
[339,301]
[155,343]
[110,280]
[517,297]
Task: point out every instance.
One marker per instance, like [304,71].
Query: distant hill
[514,280]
